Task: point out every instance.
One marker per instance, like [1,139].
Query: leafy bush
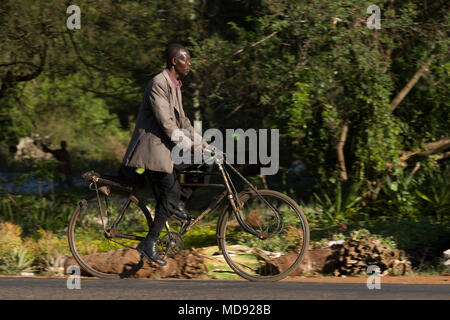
[50,251]
[16,261]
[398,198]
[15,258]
[340,205]
[33,212]
[408,233]
[435,195]
[45,254]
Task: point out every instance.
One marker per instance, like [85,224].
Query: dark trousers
[169,196]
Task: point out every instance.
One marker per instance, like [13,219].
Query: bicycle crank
[171,244]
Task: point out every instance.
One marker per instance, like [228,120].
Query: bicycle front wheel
[268,239]
[97,235]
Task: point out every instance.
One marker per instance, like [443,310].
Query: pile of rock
[353,257]
[29,148]
[446,255]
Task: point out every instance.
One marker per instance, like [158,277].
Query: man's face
[182,63]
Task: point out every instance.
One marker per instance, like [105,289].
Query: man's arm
[161,110]
[46,149]
[198,138]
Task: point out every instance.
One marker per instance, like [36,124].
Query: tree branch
[77,52]
[5,64]
[430,148]
[256,43]
[9,80]
[402,94]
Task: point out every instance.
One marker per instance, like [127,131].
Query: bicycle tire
[82,234]
[253,262]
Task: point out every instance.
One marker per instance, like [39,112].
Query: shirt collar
[176,82]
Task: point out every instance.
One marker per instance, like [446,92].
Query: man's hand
[210,149]
[197,148]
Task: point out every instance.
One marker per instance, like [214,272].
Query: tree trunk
[340,151]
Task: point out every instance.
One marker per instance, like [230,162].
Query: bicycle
[263,235]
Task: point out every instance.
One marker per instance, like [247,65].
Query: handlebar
[217,156]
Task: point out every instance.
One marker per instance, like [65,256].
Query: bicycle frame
[232,196]
[229,192]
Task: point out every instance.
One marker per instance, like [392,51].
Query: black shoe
[148,249]
[180,212]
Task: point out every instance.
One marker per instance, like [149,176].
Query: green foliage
[44,254]
[16,262]
[424,194]
[401,197]
[362,233]
[340,206]
[407,233]
[273,244]
[436,193]
[34,212]
[94,133]
[298,114]
[303,67]
[202,235]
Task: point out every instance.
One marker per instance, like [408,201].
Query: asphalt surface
[15,288]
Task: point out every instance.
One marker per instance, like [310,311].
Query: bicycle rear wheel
[267,244]
[94,237]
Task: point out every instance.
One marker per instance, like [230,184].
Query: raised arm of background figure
[46,149]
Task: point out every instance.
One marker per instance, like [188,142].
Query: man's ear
[174,61]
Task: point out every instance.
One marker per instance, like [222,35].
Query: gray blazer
[160,114]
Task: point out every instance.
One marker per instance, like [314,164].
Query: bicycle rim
[88,242]
[284,236]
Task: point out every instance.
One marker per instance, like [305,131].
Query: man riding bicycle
[161,115]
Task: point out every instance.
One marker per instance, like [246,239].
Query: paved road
[142,289]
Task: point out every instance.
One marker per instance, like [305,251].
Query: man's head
[63,145]
[179,58]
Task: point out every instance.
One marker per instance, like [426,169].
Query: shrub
[50,252]
[32,212]
[46,254]
[14,257]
